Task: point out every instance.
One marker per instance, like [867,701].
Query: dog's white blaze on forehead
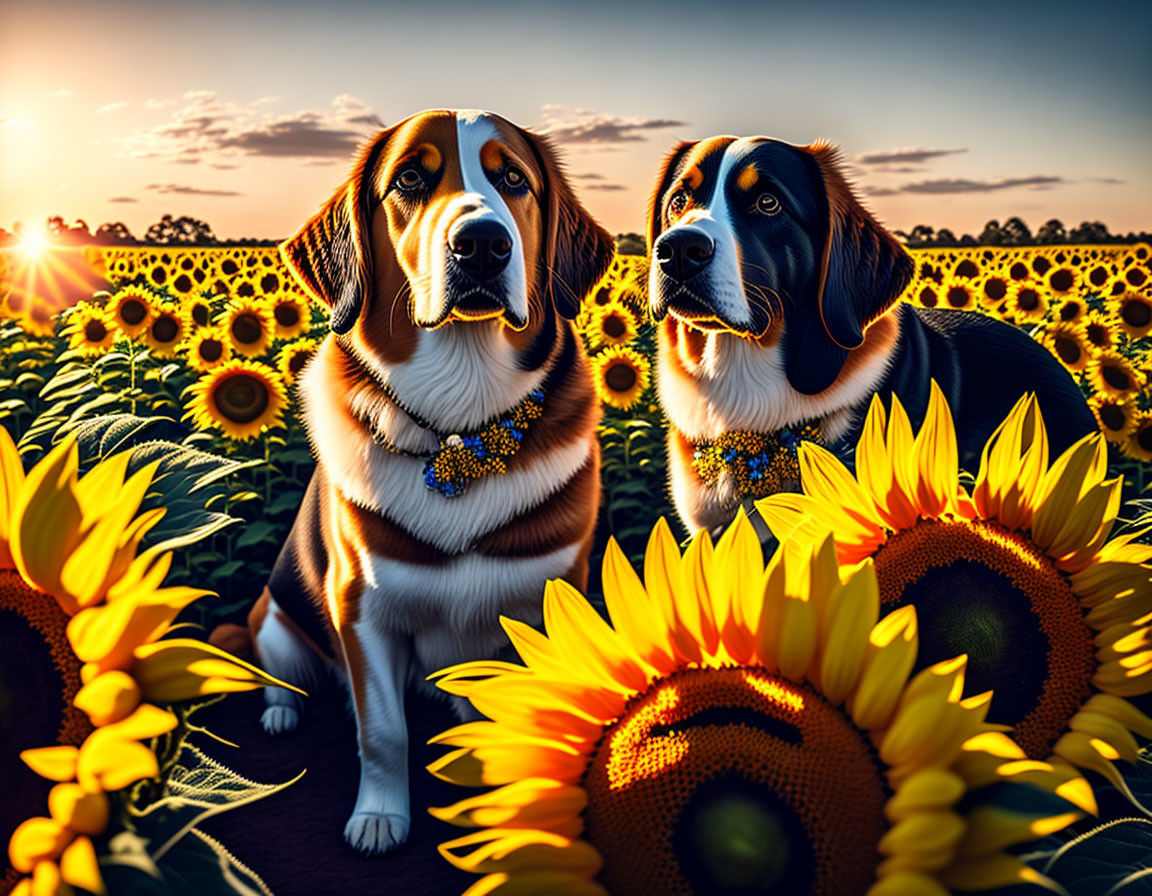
[474,129]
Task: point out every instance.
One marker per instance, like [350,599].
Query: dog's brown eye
[409,179]
[677,202]
[767,204]
[513,177]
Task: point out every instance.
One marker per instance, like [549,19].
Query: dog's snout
[683,252]
[482,248]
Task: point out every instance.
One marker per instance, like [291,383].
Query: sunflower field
[154,431]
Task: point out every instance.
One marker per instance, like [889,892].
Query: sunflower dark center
[995,289]
[1041,265]
[957,296]
[716,781]
[95,331]
[614,326]
[270,282]
[967,268]
[603,294]
[1098,334]
[211,349]
[165,329]
[1061,280]
[241,398]
[1028,299]
[1115,377]
[983,590]
[1018,271]
[928,297]
[1136,313]
[1135,276]
[287,315]
[158,274]
[1067,348]
[620,377]
[200,314]
[246,329]
[229,267]
[1069,311]
[1112,417]
[133,311]
[1144,437]
[297,361]
[1098,276]
[183,283]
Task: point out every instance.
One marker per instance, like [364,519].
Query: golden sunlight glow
[34,243]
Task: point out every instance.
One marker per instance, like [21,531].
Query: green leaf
[1102,860]
[257,532]
[285,500]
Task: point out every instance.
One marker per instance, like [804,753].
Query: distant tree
[110,233]
[7,238]
[1015,232]
[920,234]
[991,234]
[945,237]
[1089,232]
[183,231]
[1051,231]
[967,240]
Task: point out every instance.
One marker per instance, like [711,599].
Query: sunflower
[1111,374]
[1135,276]
[197,313]
[967,268]
[1070,309]
[165,331]
[1041,264]
[289,311]
[1069,343]
[1020,574]
[238,398]
[156,271]
[293,356]
[1026,302]
[39,317]
[207,348]
[72,586]
[245,287]
[958,293]
[735,729]
[1116,418]
[1099,331]
[611,324]
[926,294]
[992,289]
[1097,276]
[1063,280]
[132,310]
[621,376]
[1139,443]
[1018,271]
[1134,312]
[90,330]
[249,325]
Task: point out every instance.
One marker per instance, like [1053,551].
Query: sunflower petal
[79,868]
[530,803]
[35,840]
[891,655]
[663,580]
[182,668]
[632,613]
[532,883]
[53,763]
[512,850]
[936,458]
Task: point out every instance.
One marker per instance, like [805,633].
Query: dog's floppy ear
[331,255]
[577,250]
[663,182]
[863,270]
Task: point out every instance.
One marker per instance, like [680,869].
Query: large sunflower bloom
[621,375]
[165,331]
[292,358]
[1063,280]
[959,294]
[1116,418]
[1020,574]
[1026,302]
[197,313]
[90,330]
[248,322]
[1099,330]
[207,348]
[289,310]
[611,324]
[1069,343]
[238,398]
[1139,443]
[1134,312]
[1111,374]
[735,725]
[132,310]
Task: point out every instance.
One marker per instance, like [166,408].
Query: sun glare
[35,243]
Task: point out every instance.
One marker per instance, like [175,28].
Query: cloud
[120,199]
[184,190]
[605,187]
[156,104]
[62,91]
[963,185]
[568,124]
[208,128]
[1109,180]
[589,176]
[111,107]
[908,155]
[880,191]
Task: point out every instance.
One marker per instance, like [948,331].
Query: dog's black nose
[683,252]
[481,248]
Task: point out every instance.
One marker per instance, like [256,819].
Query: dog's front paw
[280,719]
[374,833]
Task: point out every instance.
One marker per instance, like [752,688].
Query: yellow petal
[34,840]
[113,764]
[633,614]
[796,644]
[183,668]
[891,655]
[581,634]
[79,868]
[1087,526]
[857,604]
[936,458]
[694,603]
[53,763]
[991,830]
[1107,729]
[1123,711]
[845,507]
[1060,489]
[108,698]
[530,803]
[907,883]
[663,580]
[11,479]
[46,880]
[74,807]
[1095,755]
[989,873]
[924,842]
[924,733]
[510,850]
[929,790]
[740,562]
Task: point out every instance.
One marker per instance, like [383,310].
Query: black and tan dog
[774,288]
[453,420]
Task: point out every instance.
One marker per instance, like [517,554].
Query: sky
[247,114]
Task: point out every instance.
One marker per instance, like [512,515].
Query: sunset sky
[247,114]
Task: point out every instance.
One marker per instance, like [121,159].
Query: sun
[35,243]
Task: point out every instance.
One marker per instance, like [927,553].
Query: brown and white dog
[450,259]
[776,294]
